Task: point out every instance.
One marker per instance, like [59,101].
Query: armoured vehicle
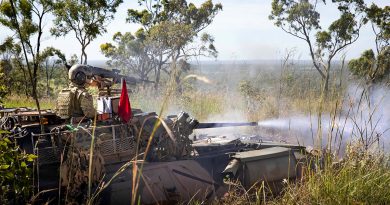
[147,160]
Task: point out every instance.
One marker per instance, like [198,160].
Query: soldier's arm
[86,104]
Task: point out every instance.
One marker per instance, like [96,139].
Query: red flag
[124,107]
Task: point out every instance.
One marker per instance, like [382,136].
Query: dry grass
[23,101]
[358,180]
[362,178]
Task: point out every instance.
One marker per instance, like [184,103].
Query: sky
[242,31]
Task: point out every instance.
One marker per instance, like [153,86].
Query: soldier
[75,101]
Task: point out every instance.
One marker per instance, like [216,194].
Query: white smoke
[364,117]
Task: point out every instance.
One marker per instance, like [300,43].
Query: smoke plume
[364,117]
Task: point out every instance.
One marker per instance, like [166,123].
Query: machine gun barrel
[224,124]
[114,74]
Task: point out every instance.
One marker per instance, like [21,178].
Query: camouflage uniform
[83,103]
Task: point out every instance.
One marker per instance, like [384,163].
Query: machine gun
[100,77]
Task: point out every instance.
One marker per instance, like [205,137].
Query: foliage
[301,19]
[130,54]
[3,87]
[15,173]
[369,67]
[178,20]
[50,51]
[375,66]
[86,18]
[14,68]
[73,59]
[169,32]
[9,49]
[10,61]
[380,22]
[50,63]
[176,11]
[25,19]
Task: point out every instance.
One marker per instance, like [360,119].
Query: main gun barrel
[207,125]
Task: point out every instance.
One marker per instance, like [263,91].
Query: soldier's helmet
[78,74]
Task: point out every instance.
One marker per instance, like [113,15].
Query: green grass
[22,101]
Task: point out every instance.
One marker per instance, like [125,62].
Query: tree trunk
[47,81]
[83,55]
[157,80]
[143,77]
[26,90]
[175,74]
[326,80]
[35,95]
[158,72]
[85,58]
[33,75]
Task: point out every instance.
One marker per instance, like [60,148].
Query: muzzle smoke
[363,118]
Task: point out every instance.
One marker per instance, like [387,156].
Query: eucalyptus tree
[52,58]
[301,19]
[374,65]
[25,18]
[170,30]
[87,19]
[11,64]
[130,54]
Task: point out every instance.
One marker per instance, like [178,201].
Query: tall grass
[363,174]
[23,101]
[199,104]
[356,180]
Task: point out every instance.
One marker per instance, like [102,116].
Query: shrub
[15,172]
